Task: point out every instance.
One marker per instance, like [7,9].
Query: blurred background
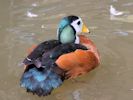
[27,22]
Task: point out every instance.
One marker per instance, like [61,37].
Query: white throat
[78,28]
[77,41]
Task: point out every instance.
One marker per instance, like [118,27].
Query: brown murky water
[27,22]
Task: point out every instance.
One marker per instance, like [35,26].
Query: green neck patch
[67,35]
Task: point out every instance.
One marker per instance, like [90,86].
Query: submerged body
[53,61]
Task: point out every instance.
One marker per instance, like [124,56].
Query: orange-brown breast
[80,61]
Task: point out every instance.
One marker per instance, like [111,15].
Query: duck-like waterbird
[53,61]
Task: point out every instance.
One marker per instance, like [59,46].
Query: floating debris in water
[34,4]
[119,32]
[76,95]
[115,0]
[131,89]
[114,12]
[42,26]
[30,14]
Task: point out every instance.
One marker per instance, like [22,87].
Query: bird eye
[78,22]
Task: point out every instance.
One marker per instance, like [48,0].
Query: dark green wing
[40,50]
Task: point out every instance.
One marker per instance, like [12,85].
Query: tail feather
[40,81]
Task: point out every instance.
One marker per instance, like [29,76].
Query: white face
[77,25]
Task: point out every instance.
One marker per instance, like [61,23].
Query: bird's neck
[77,41]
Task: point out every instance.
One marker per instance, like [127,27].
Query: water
[112,80]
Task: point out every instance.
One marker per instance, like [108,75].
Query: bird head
[69,28]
